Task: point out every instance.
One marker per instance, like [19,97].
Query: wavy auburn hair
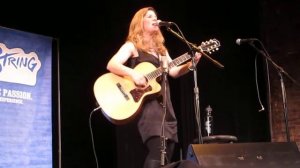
[136,30]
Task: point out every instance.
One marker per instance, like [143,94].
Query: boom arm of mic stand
[280,72]
[279,68]
[194,47]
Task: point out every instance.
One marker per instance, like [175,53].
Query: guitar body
[118,96]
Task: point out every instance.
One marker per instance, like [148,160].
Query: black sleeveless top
[152,110]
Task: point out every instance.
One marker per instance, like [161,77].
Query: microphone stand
[164,67]
[196,97]
[280,71]
[193,48]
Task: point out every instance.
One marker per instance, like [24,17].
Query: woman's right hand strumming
[139,80]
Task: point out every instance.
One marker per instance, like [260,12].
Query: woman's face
[150,21]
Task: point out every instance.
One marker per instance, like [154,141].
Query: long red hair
[136,30]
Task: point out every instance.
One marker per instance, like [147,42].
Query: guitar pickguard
[138,93]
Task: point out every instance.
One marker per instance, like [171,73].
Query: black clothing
[153,159]
[152,111]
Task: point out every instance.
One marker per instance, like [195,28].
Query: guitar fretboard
[207,46]
[177,61]
[181,59]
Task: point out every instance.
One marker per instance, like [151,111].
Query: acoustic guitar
[118,96]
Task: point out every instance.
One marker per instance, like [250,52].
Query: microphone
[241,41]
[163,23]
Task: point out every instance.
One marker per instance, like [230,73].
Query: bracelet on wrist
[191,68]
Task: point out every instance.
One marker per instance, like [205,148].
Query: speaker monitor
[245,155]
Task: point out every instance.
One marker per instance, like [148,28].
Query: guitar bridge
[122,91]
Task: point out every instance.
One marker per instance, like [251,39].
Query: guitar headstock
[210,46]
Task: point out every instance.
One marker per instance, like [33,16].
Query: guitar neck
[177,61]
[209,46]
